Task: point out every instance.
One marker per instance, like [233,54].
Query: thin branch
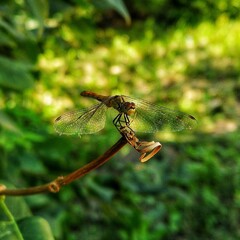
[56,185]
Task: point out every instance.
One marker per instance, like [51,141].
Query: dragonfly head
[130,108]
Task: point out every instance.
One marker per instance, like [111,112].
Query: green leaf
[30,164]
[17,223]
[6,40]
[39,10]
[14,74]
[30,228]
[7,123]
[7,231]
[117,5]
[9,28]
[35,228]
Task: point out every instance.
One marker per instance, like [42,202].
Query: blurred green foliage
[186,12]
[181,54]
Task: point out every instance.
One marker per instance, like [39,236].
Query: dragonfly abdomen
[96,96]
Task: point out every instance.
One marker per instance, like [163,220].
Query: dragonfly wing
[152,118]
[143,121]
[168,119]
[84,121]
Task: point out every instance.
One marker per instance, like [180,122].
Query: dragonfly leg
[127,121]
[117,121]
[121,119]
[122,123]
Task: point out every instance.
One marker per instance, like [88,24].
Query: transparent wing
[152,118]
[83,121]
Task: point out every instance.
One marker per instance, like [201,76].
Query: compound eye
[133,105]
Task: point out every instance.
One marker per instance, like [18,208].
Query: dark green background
[180,54]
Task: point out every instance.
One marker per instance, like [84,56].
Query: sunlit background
[179,54]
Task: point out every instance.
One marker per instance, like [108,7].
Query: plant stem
[9,215]
[55,185]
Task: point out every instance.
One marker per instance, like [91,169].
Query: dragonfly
[136,114]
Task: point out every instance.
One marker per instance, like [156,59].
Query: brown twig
[56,185]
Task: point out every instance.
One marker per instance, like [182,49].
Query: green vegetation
[180,55]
